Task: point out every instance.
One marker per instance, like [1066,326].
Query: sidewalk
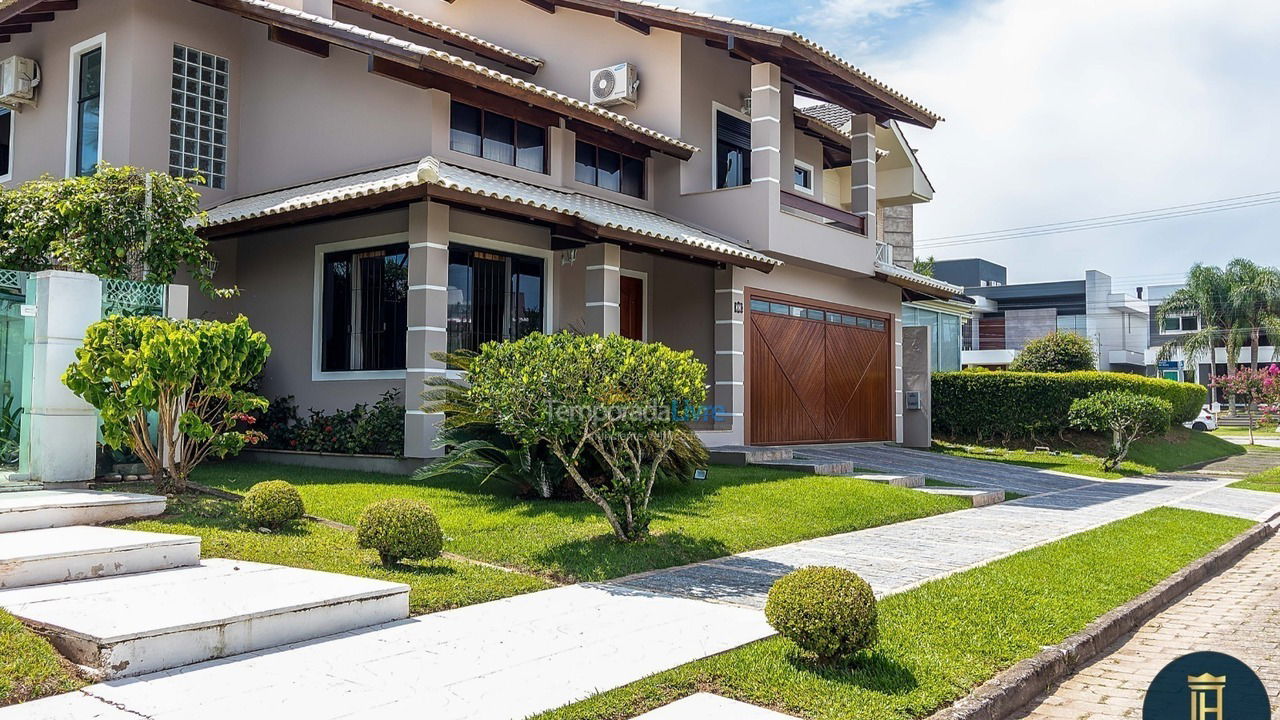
[519,656]
[1237,613]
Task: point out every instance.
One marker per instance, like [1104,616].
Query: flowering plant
[1259,388]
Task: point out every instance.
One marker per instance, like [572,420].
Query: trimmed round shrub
[1057,352]
[1127,416]
[272,504]
[400,529]
[828,611]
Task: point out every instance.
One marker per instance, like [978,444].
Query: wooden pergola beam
[298,41]
[631,21]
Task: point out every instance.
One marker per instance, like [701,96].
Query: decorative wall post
[766,124]
[427,320]
[729,388]
[863,170]
[63,427]
[602,297]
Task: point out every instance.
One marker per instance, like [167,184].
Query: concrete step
[36,557]
[904,481]
[8,486]
[980,497]
[815,467]
[745,455]
[35,509]
[134,624]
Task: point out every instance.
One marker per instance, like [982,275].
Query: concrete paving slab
[135,624]
[37,509]
[63,554]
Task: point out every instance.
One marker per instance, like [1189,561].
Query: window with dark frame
[363,313]
[1181,323]
[493,296]
[610,170]
[6,142]
[88,110]
[803,179]
[497,137]
[198,116]
[804,313]
[733,151]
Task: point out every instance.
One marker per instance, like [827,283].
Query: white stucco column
[63,427]
[177,302]
[863,170]
[728,390]
[602,296]
[427,319]
[766,124]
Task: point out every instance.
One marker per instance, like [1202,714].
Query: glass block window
[198,116]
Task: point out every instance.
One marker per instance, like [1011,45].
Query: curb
[1017,686]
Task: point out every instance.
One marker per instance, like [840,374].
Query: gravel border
[1017,686]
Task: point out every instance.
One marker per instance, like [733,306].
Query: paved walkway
[1237,612]
[1254,461]
[519,656]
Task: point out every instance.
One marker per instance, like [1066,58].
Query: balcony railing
[829,215]
[884,253]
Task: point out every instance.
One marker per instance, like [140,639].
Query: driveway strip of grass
[940,640]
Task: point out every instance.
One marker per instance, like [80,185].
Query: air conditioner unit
[615,85]
[19,77]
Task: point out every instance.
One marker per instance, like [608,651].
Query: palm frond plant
[1254,301]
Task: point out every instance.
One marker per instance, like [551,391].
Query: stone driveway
[1237,612]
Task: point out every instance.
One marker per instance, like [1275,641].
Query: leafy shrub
[1028,405]
[119,222]
[362,430]
[828,611]
[1057,352]
[400,529]
[1127,416]
[189,373]
[477,449]
[272,504]
[609,395]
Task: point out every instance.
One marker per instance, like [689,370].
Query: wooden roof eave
[418,61]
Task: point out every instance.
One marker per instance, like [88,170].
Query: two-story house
[386,181]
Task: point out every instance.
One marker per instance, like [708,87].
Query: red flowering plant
[1260,390]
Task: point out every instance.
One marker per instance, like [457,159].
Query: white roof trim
[892,270]
[448,30]
[430,171]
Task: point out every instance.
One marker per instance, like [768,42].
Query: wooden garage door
[817,373]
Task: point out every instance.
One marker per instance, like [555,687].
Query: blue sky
[1065,109]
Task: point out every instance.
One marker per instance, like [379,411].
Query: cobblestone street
[1237,613]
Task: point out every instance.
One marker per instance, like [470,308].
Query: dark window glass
[632,176]
[864,323]
[1190,323]
[88,111]
[815,314]
[779,308]
[6,131]
[363,316]
[848,320]
[499,138]
[733,151]
[492,297]
[531,147]
[803,178]
[609,169]
[464,129]
[833,317]
[1172,324]
[759,306]
[877,325]
[585,163]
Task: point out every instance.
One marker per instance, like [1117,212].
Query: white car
[1206,421]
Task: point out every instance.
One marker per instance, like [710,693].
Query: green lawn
[1264,431]
[29,666]
[1267,481]
[734,510]
[943,638]
[438,585]
[1178,449]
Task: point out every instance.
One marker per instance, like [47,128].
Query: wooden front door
[817,373]
[631,307]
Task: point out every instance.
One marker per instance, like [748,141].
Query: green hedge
[1020,405]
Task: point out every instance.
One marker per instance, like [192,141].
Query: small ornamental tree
[621,398]
[1127,416]
[1259,388]
[120,222]
[190,373]
[1057,352]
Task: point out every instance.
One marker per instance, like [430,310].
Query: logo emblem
[1206,686]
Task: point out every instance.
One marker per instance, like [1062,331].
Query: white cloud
[851,24]
[1064,110]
